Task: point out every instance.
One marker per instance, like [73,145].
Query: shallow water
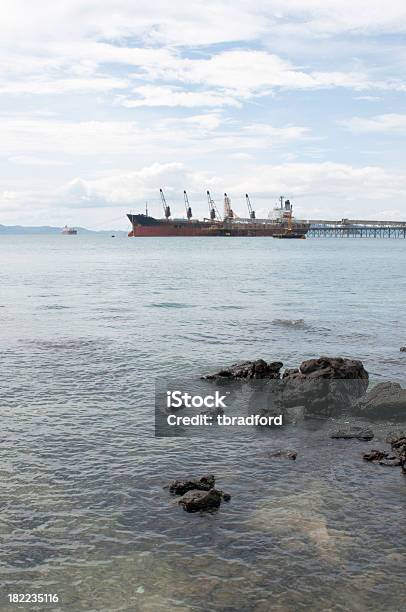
[89,323]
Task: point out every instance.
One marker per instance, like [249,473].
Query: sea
[89,323]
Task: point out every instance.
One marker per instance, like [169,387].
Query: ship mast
[167,210]
[187,206]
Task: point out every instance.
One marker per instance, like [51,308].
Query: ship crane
[187,206]
[213,212]
[167,210]
[228,211]
[250,209]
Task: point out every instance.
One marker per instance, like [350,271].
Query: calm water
[89,323]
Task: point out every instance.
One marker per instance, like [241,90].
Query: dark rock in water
[403,349]
[226,496]
[285,453]
[322,387]
[193,501]
[394,459]
[397,442]
[325,387]
[258,369]
[180,487]
[398,445]
[355,432]
[375,455]
[386,400]
[290,373]
[391,461]
[330,368]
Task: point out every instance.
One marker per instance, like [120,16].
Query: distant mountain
[47,229]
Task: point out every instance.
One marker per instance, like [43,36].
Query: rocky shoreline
[327,386]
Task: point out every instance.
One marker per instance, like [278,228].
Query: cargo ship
[280,225]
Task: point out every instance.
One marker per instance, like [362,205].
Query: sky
[102,103]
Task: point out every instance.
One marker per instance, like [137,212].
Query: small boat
[290,235]
[69,231]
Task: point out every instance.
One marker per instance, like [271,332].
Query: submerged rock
[398,445]
[375,455]
[193,501]
[258,369]
[355,432]
[180,487]
[395,458]
[285,453]
[396,439]
[387,400]
[403,349]
[391,461]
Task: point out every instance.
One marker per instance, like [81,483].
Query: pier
[356,228]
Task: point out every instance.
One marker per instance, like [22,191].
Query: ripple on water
[171,305]
[54,307]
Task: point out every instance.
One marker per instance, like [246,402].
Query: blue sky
[103,103]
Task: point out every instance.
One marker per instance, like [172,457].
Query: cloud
[202,23]
[318,190]
[112,88]
[130,187]
[289,132]
[248,72]
[30,160]
[391,123]
[307,182]
[150,95]
[61,85]
[196,134]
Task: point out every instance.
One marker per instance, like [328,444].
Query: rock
[285,453]
[355,432]
[226,496]
[193,501]
[403,349]
[248,370]
[326,386]
[180,487]
[397,442]
[331,368]
[398,445]
[392,461]
[375,455]
[387,400]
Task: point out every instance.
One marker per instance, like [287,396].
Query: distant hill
[47,229]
